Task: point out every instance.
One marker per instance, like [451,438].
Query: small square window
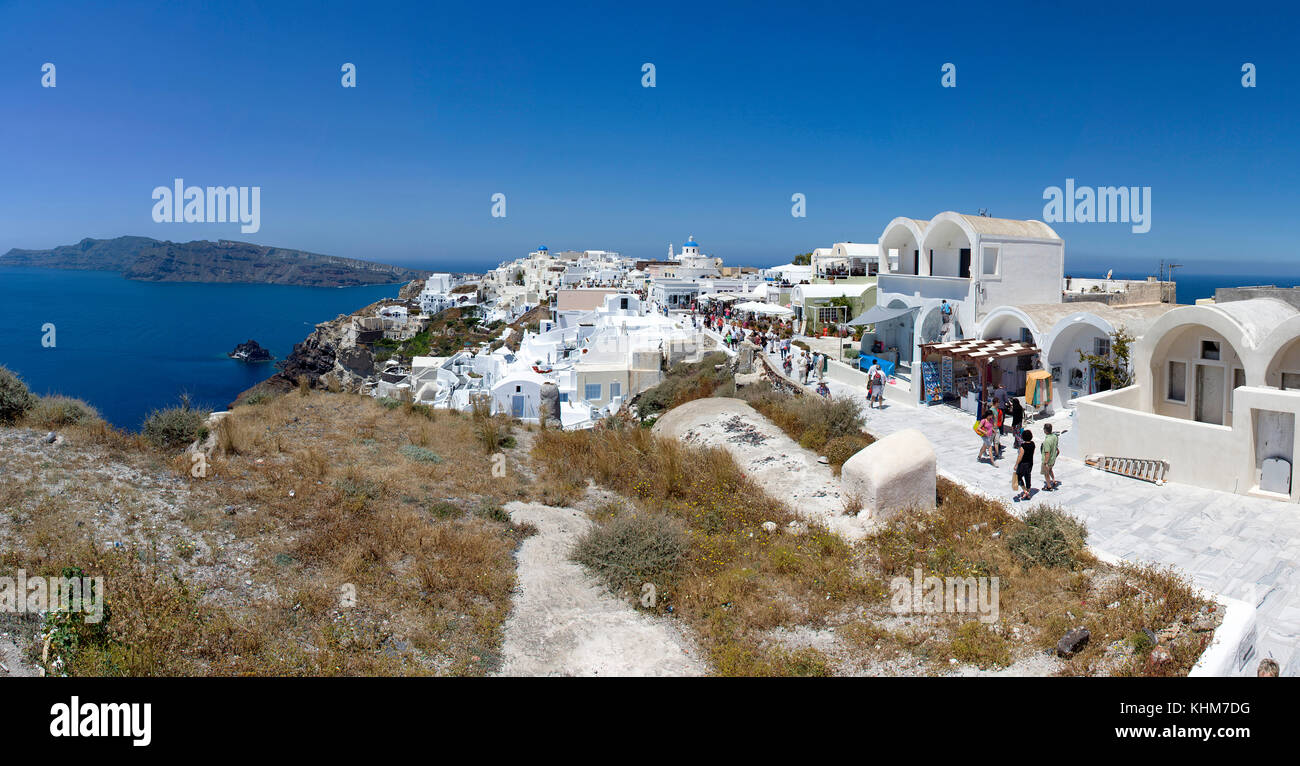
[1210,350]
[591,392]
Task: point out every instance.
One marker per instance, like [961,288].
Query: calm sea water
[131,347]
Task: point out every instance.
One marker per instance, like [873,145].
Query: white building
[974,263]
[1216,394]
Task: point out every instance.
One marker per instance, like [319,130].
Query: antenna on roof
[984,212]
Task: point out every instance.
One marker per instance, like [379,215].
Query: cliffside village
[951,309]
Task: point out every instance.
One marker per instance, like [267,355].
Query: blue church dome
[691,243]
[541,249]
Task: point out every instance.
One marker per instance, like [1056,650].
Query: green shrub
[174,427]
[420,454]
[15,399]
[446,510]
[493,512]
[1048,538]
[632,549]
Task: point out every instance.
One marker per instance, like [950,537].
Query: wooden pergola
[982,353]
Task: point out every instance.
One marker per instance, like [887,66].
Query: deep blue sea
[131,347]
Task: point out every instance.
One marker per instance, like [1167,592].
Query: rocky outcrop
[332,356]
[250,351]
[411,290]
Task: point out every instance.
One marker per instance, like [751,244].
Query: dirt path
[564,623]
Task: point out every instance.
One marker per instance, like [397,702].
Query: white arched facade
[903,236]
[1209,398]
[947,247]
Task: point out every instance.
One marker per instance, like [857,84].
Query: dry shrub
[175,427]
[977,644]
[631,549]
[735,581]
[841,448]
[1048,538]
[15,399]
[55,412]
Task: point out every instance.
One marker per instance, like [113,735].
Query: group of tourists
[994,424]
[803,366]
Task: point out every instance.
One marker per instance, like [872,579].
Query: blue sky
[754,102]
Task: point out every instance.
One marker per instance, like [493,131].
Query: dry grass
[830,428]
[737,581]
[308,498]
[970,536]
[738,586]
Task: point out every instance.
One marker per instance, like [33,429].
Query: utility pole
[1172,266]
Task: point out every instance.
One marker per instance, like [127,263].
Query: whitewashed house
[974,263]
[1216,394]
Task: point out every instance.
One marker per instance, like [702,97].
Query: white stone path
[1244,547]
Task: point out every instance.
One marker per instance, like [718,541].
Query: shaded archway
[903,237]
[947,246]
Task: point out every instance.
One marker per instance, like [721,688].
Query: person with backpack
[1025,465]
[875,385]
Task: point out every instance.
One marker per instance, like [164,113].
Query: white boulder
[894,473]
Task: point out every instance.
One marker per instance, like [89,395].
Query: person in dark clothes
[1017,414]
[1025,464]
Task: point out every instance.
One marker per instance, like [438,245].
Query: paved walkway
[1243,547]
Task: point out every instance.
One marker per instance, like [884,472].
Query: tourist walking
[1025,465]
[984,428]
[1000,400]
[1017,414]
[875,385]
[1000,419]
[1051,448]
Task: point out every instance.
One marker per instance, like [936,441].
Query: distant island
[151,260]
